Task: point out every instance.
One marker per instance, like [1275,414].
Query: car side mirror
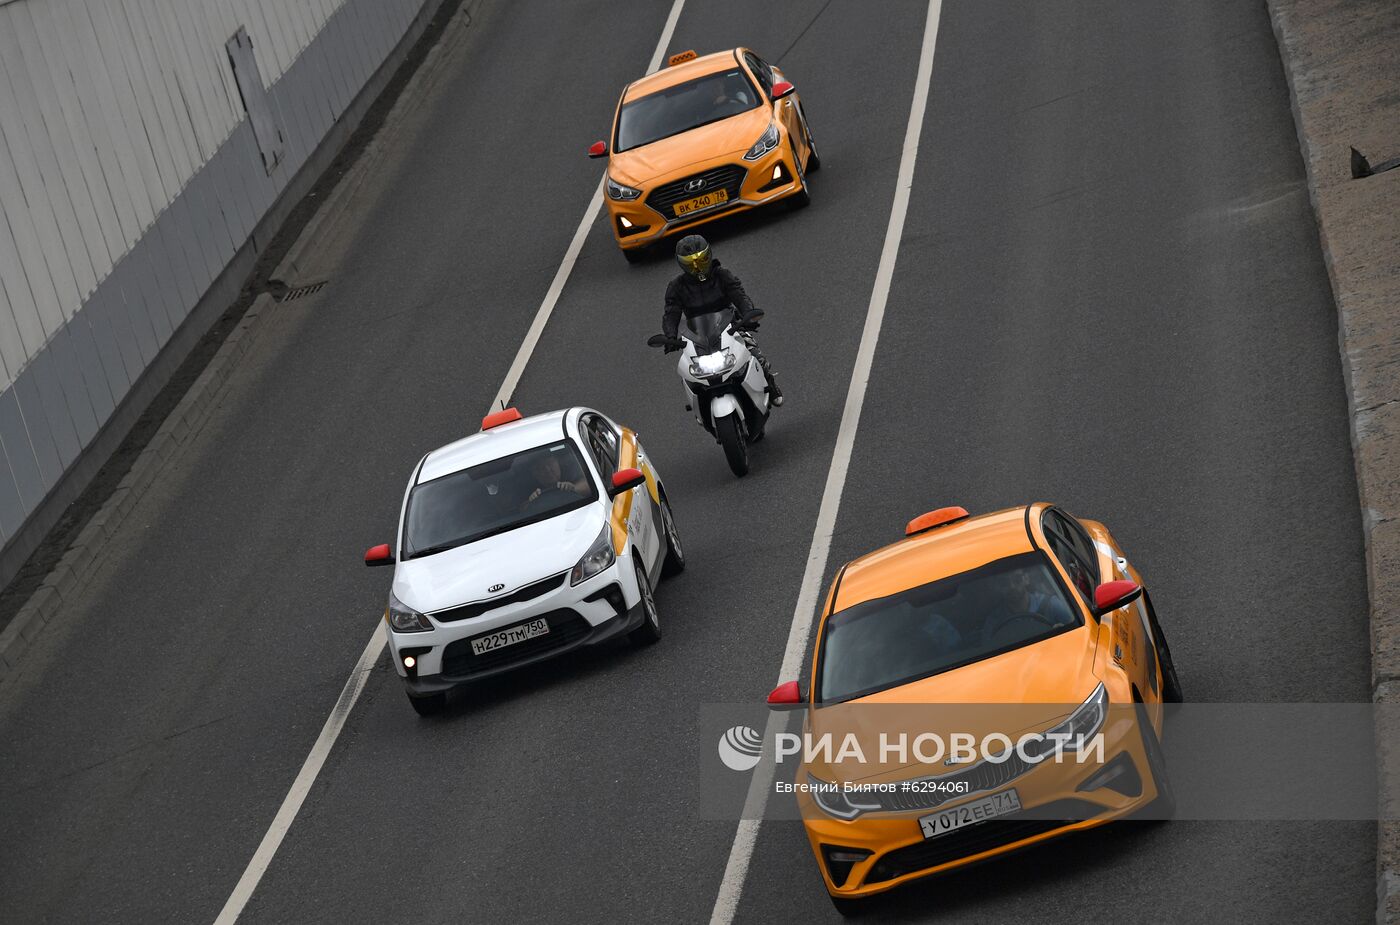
[1114,594]
[626,480]
[781,89]
[379,555]
[598,149]
[786,696]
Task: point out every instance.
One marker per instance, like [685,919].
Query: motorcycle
[725,385]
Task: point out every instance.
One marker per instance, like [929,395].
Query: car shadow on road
[533,680]
[1028,871]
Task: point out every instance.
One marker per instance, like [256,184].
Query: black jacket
[687,296]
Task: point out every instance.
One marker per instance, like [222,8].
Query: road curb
[1345,92]
[70,576]
[309,259]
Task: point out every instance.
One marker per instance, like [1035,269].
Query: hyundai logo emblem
[494,588]
[697,184]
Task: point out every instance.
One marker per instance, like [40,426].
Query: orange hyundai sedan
[702,137]
[1027,633]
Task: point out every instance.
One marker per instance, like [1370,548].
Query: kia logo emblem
[494,588]
[697,184]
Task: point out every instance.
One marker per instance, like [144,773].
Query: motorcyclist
[707,287]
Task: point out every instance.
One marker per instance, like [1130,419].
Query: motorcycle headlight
[617,191]
[712,364]
[404,619]
[1082,723]
[599,556]
[766,142]
[833,799]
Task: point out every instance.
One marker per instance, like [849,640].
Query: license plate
[509,636]
[702,202]
[998,804]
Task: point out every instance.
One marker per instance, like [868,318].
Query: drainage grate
[301,291]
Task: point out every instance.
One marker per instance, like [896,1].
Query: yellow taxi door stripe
[622,504]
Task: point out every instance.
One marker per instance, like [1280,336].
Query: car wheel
[428,704]
[1171,682]
[1164,806]
[802,198]
[674,563]
[650,630]
[732,439]
[635,255]
[814,161]
[849,908]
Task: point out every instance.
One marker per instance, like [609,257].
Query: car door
[788,110]
[613,448]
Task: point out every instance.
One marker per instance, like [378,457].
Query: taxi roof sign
[497,418]
[939,518]
[681,57]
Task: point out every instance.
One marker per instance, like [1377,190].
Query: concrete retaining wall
[1340,57]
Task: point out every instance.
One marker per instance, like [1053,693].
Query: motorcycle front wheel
[736,451]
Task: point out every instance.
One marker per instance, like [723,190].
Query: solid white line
[305,778]
[761,784]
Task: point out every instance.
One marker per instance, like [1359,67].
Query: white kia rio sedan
[536,536]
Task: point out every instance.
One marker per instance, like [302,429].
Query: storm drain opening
[1361,167]
[302,291]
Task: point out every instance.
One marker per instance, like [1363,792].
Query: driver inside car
[1031,593]
[548,474]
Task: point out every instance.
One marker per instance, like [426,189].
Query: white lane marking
[741,852]
[561,276]
[306,777]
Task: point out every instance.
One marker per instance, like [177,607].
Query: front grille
[729,177]
[974,839]
[476,609]
[565,628]
[985,775]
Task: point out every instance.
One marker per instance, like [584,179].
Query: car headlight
[404,619]
[766,142]
[712,364]
[599,556]
[617,191]
[1082,723]
[833,799]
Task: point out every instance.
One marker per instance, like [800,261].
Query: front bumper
[637,224]
[1053,806]
[598,609]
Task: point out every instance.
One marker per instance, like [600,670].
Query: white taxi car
[531,538]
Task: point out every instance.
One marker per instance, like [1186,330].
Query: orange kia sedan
[1027,633]
[703,137]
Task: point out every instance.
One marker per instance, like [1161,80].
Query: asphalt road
[1109,295]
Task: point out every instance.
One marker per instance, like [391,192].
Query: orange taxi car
[703,136]
[1026,612]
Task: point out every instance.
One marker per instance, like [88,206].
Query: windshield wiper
[434,550]
[688,128]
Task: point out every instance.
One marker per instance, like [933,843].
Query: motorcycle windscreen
[706,331]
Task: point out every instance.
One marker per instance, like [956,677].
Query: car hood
[734,135]
[526,554]
[1026,689]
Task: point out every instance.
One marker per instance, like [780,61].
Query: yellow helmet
[693,254]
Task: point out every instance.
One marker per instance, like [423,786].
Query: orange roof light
[681,57]
[939,518]
[497,418]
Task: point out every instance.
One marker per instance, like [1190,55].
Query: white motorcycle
[725,385]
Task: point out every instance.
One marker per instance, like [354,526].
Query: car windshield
[494,497]
[889,641]
[684,107]
[707,331]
